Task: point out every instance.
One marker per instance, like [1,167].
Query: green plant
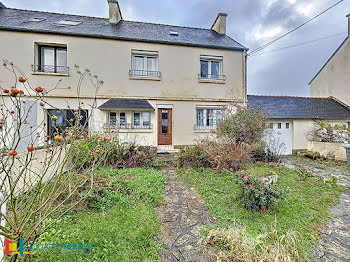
[306,173]
[246,125]
[257,195]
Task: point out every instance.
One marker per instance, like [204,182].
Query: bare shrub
[37,180]
[237,245]
[193,156]
[225,154]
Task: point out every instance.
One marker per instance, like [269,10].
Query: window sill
[144,78]
[213,81]
[207,131]
[123,131]
[50,74]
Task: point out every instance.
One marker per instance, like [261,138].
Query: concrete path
[336,236]
[183,215]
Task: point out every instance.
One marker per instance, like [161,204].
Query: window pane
[122,119]
[112,118]
[164,121]
[137,119]
[138,63]
[204,69]
[61,62]
[47,59]
[210,116]
[287,125]
[218,116]
[279,125]
[152,64]
[215,69]
[200,117]
[145,119]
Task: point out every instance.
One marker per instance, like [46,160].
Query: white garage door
[279,136]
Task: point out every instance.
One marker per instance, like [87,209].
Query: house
[334,77]
[292,118]
[164,85]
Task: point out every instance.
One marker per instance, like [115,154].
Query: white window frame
[145,72]
[211,59]
[141,125]
[214,120]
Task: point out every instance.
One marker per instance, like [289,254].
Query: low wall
[324,148]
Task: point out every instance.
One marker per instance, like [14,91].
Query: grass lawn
[125,233]
[341,165]
[304,209]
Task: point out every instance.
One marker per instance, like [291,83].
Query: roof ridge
[55,13]
[305,97]
[87,16]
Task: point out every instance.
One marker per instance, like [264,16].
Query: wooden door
[165,129]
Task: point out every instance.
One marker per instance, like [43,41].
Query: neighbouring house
[292,118]
[164,85]
[334,77]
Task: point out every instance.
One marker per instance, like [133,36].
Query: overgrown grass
[304,209]
[124,233]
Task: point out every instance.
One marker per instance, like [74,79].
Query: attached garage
[292,118]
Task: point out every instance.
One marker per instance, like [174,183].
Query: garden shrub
[257,195]
[225,155]
[192,156]
[109,151]
[246,125]
[265,154]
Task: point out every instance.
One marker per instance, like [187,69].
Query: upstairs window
[144,64]
[52,59]
[209,118]
[211,68]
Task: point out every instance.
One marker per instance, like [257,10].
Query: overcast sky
[250,22]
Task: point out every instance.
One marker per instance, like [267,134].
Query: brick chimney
[115,14]
[219,25]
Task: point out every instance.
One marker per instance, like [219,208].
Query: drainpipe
[245,79]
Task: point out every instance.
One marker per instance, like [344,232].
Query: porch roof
[124,103]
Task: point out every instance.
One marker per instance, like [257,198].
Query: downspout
[244,68]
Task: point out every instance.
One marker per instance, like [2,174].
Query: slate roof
[120,103]
[17,20]
[284,107]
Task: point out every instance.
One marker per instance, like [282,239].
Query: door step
[167,150]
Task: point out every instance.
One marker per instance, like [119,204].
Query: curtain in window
[61,56]
[146,119]
[200,117]
[48,59]
[152,64]
[122,119]
[215,69]
[204,69]
[138,63]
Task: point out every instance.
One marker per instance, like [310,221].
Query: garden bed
[303,210]
[119,219]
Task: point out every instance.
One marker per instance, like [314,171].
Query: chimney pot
[115,14]
[219,25]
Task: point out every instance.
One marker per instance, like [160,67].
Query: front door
[165,126]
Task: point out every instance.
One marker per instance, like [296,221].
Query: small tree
[245,125]
[39,183]
[324,131]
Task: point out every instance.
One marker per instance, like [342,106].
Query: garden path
[183,215]
[336,236]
